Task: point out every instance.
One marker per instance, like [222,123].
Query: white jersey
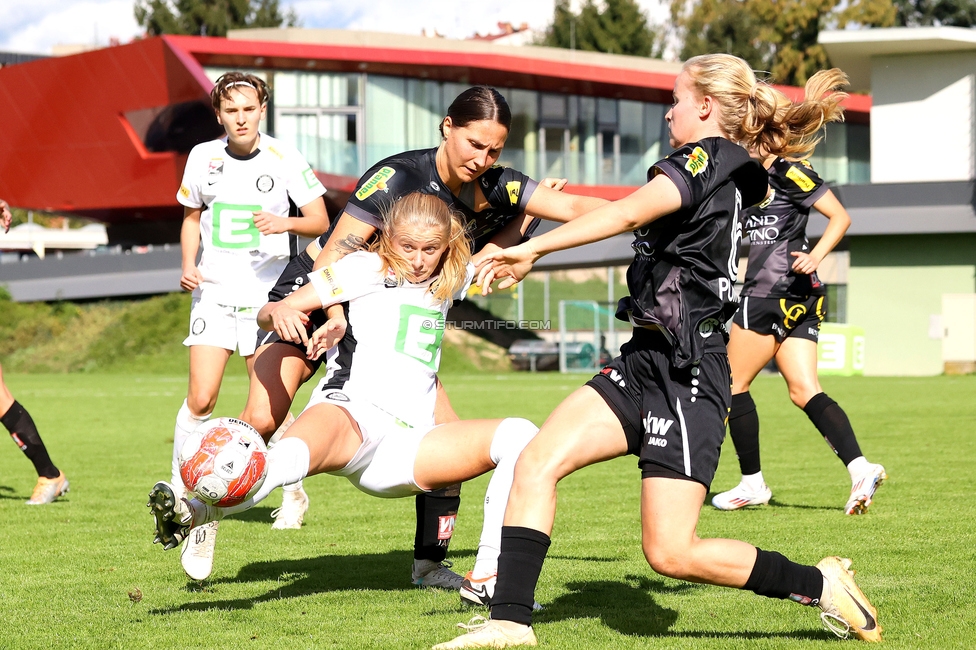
[239,265]
[392,347]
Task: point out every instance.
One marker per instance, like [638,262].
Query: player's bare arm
[313,222]
[550,203]
[190,246]
[652,201]
[829,206]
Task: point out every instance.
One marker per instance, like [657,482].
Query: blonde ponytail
[758,116]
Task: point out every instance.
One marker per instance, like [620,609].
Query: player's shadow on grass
[7,492]
[630,609]
[302,577]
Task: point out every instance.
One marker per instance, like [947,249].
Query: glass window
[423,114]
[386,128]
[553,108]
[858,153]
[632,142]
[521,148]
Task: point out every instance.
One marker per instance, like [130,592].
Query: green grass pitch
[73,572]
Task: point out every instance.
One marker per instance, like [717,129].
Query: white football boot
[863,488]
[741,496]
[197,556]
[291,514]
[427,573]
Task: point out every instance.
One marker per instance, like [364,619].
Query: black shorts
[674,418]
[782,317]
[291,279]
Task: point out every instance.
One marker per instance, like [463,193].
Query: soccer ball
[224,462]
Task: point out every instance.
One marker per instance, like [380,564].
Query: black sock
[774,576]
[519,565]
[744,430]
[21,427]
[833,425]
[436,513]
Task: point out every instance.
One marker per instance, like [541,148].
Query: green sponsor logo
[233,226]
[377,181]
[420,334]
[310,178]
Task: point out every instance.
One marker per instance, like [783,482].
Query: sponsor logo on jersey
[185,191]
[697,161]
[419,334]
[233,226]
[337,396]
[769,199]
[445,526]
[513,187]
[802,180]
[198,326]
[300,280]
[434,186]
[806,163]
[329,277]
[277,153]
[378,181]
[215,170]
[311,180]
[614,376]
[264,183]
[708,326]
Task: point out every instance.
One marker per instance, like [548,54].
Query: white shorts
[383,464]
[222,326]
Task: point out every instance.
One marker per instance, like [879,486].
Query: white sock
[753,481]
[287,464]
[186,423]
[857,467]
[511,437]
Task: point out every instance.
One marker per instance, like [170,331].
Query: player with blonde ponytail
[783,302]
[666,397]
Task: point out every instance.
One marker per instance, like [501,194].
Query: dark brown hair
[230,80]
[479,103]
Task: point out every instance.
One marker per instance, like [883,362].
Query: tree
[209,17]
[952,13]
[778,36]
[619,27]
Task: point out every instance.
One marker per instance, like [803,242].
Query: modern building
[911,283]
[347,99]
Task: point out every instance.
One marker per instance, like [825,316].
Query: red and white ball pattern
[224,462]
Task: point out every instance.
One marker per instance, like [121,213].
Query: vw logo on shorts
[198,326]
[265,183]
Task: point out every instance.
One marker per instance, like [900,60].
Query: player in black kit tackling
[666,397]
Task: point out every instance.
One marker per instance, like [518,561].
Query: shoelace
[830,621]
[474,624]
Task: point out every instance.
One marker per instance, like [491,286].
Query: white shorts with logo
[223,326]
[383,464]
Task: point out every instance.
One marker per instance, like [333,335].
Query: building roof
[852,49]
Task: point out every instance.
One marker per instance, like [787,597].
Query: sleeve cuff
[667,168]
[358,213]
[816,196]
[527,193]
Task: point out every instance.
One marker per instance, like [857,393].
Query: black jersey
[686,262]
[507,191]
[777,227]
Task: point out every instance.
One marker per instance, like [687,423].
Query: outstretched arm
[654,200]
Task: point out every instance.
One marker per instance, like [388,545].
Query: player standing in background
[235,194]
[51,482]
[782,304]
[462,173]
[666,397]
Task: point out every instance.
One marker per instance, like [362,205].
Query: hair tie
[240,83]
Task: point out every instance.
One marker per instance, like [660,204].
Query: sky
[34,26]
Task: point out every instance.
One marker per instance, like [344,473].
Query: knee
[201,403]
[801,393]
[263,421]
[667,561]
[511,437]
